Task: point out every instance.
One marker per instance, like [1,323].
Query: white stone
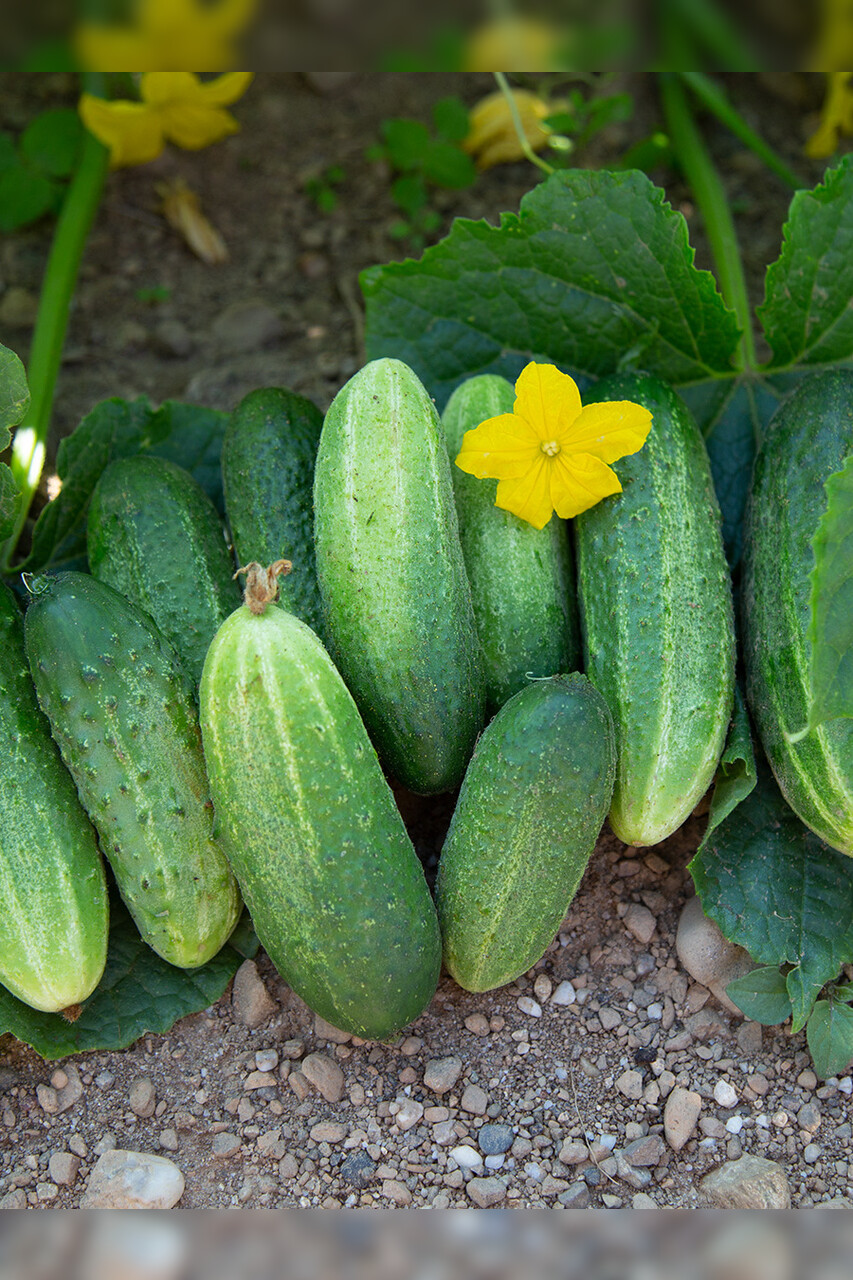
[496,1162]
[734,1124]
[529,1006]
[409,1114]
[654,1013]
[564,994]
[133,1180]
[845,1085]
[725,1095]
[466,1157]
[708,956]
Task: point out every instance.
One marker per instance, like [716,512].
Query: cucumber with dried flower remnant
[335,889]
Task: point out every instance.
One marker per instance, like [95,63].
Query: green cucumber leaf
[188,435]
[9,496]
[139,992]
[806,313]
[736,772]
[773,887]
[830,1037]
[831,625]
[594,265]
[51,143]
[762,995]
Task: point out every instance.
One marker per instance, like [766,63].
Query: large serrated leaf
[188,435]
[595,265]
[806,314]
[762,995]
[139,992]
[775,888]
[831,626]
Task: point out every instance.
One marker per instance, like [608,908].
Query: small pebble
[564,994]
[466,1157]
[725,1095]
[529,1006]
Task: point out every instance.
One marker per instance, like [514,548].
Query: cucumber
[53,894]
[336,892]
[268,476]
[522,579]
[657,617]
[392,576]
[155,536]
[808,439]
[530,810]
[121,710]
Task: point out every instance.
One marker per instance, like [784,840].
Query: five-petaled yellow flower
[166,34]
[551,453]
[176,107]
[492,138]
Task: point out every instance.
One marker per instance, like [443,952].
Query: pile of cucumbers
[396,625]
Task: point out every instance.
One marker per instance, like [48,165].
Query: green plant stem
[69,239]
[714,32]
[503,85]
[712,97]
[698,168]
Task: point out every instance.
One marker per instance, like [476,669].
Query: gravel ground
[610,1075]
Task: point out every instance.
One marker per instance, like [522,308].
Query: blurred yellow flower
[525,44]
[551,454]
[176,107]
[835,38]
[166,35]
[836,116]
[492,138]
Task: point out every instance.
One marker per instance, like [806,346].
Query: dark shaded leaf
[775,888]
[139,992]
[191,436]
[14,394]
[595,264]
[450,117]
[736,773]
[25,196]
[448,166]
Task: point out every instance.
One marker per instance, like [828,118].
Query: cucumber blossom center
[550,447]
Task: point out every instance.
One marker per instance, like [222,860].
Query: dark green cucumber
[530,810]
[53,895]
[657,617]
[522,579]
[268,475]
[336,892]
[807,440]
[121,710]
[155,536]
[393,579]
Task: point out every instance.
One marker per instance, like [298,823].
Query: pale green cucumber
[393,579]
[522,579]
[530,810]
[53,895]
[657,616]
[336,892]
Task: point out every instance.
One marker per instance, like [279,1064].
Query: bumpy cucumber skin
[268,476]
[392,576]
[807,440]
[657,618]
[530,810]
[336,892]
[53,894]
[522,579]
[155,536]
[122,712]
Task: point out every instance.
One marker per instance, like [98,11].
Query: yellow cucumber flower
[836,116]
[835,37]
[551,454]
[176,107]
[166,35]
[492,138]
[525,44]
